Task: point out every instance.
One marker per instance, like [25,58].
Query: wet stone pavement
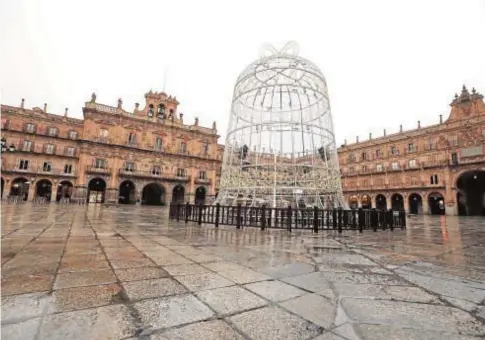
[127,273]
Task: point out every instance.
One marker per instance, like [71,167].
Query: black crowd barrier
[289,218]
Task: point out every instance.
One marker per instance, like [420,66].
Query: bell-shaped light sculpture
[280,145]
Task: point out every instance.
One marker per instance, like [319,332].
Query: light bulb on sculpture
[280,147]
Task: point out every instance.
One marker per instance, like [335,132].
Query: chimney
[65,112]
[345,142]
[357,139]
[370,135]
[22,103]
[181,117]
[384,132]
[441,119]
[400,128]
[419,124]
[45,107]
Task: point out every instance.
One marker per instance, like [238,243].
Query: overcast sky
[386,62]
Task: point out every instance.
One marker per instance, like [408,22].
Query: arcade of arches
[415,202]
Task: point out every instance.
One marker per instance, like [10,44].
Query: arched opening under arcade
[397,202]
[381,202]
[127,193]
[20,188]
[178,194]
[153,194]
[415,204]
[3,185]
[436,203]
[366,202]
[472,188]
[43,188]
[200,194]
[64,190]
[353,202]
[96,190]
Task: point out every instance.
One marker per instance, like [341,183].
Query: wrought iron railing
[289,218]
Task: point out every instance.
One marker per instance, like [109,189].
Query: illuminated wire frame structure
[280,147]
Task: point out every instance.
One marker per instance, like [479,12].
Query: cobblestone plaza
[106,272]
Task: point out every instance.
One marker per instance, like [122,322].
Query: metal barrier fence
[289,218]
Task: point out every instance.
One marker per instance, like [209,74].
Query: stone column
[111,196]
[425,205]
[406,202]
[31,192]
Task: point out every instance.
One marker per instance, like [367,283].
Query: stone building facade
[147,155]
[437,169]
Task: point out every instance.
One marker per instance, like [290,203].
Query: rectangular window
[394,151]
[181,172]
[414,180]
[412,163]
[454,158]
[156,170]
[49,148]
[71,151]
[4,123]
[395,166]
[433,179]
[27,146]
[130,166]
[67,168]
[132,138]
[364,156]
[100,163]
[351,170]
[378,153]
[23,164]
[47,167]
[205,148]
[30,128]
[411,147]
[183,147]
[158,144]
[73,134]
[52,131]
[379,167]
[364,168]
[351,158]
[103,133]
[202,175]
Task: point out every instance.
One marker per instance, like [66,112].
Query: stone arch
[470,185]
[397,201]
[200,195]
[381,202]
[366,201]
[64,190]
[353,201]
[43,188]
[20,187]
[415,202]
[153,193]
[178,193]
[436,203]
[96,190]
[127,192]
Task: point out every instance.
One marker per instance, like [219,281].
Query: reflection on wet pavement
[128,273]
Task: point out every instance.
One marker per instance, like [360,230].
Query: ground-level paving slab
[128,273]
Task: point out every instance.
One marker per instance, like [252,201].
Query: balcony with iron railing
[126,172]
[96,169]
[37,170]
[206,181]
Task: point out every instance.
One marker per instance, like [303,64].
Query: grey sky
[386,62]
